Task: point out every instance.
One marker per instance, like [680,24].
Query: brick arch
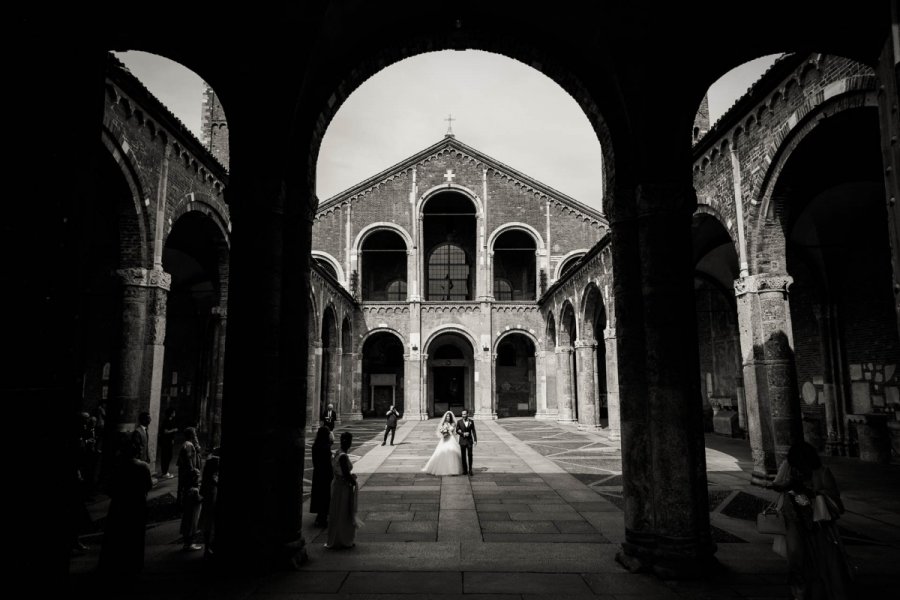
[204,204]
[550,330]
[561,323]
[538,346]
[333,262]
[134,233]
[381,226]
[372,60]
[569,255]
[364,337]
[712,211]
[453,328]
[455,187]
[591,301]
[765,216]
[515,226]
[315,327]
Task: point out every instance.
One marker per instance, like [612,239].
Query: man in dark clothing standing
[392,416]
[141,437]
[465,430]
[329,416]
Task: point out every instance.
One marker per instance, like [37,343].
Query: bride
[447,458]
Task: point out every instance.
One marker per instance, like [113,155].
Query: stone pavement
[540,519]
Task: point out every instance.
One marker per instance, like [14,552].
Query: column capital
[609,333]
[585,344]
[138,276]
[756,284]
[564,349]
[219,311]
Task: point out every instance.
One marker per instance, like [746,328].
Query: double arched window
[448,273]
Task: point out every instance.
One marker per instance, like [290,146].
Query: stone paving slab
[525,583]
[437,582]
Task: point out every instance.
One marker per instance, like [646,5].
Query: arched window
[383,267]
[567,266]
[396,290]
[514,266]
[503,289]
[448,273]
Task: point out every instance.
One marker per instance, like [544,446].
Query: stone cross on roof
[449,120]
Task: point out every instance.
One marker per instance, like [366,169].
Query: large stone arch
[204,204]
[135,232]
[381,226]
[333,262]
[765,217]
[572,255]
[451,328]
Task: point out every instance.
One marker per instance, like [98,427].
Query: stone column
[564,384]
[612,383]
[415,403]
[664,462]
[337,379]
[770,380]
[588,415]
[352,370]
[484,383]
[835,443]
[313,381]
[540,385]
[216,374]
[139,382]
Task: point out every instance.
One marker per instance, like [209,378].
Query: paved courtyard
[540,519]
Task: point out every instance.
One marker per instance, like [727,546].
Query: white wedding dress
[447,458]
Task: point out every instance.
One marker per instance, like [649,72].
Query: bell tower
[215,128]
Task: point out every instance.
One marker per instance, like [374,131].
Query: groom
[465,429]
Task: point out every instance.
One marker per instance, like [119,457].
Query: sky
[500,106]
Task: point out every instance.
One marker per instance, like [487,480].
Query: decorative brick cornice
[514,308]
[451,308]
[385,309]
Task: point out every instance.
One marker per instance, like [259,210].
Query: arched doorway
[715,269]
[196,256]
[594,348]
[383,369]
[449,239]
[450,380]
[567,386]
[328,390]
[514,376]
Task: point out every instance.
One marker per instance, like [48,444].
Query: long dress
[342,520]
[122,554]
[323,474]
[446,458]
[817,562]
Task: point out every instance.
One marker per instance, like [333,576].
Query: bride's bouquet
[445,429]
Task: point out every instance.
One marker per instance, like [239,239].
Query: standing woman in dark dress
[811,504]
[122,554]
[188,460]
[322,476]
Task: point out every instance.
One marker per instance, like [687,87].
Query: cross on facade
[450,120]
[449,175]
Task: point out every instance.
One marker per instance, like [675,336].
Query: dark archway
[383,374]
[195,255]
[450,380]
[715,269]
[829,200]
[329,381]
[514,376]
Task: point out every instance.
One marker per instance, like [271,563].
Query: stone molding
[756,284]
[140,277]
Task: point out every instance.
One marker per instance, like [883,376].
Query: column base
[486,416]
[352,417]
[615,435]
[423,416]
[546,415]
[585,427]
[683,561]
[761,479]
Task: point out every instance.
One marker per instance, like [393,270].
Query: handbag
[770,521]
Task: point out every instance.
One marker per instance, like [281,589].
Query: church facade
[426,280]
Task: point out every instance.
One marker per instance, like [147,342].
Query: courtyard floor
[541,518]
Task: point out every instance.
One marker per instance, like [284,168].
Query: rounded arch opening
[449,378]
[514,376]
[449,226]
[514,264]
[383,374]
[383,266]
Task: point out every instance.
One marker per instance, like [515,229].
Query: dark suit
[467,440]
[391,425]
[139,435]
[329,417]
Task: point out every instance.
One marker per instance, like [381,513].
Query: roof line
[449,141]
